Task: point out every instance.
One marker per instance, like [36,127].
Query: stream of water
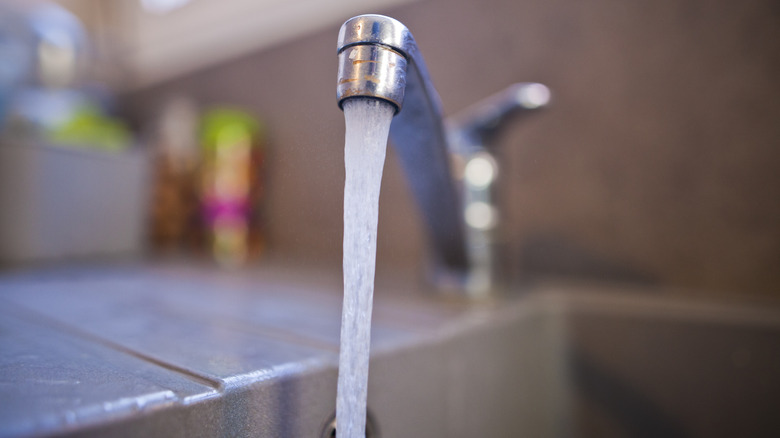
[367,127]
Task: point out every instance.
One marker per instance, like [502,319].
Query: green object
[89,127]
[220,124]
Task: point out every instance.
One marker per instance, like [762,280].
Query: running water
[368,123]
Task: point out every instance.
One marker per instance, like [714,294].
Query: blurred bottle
[175,214]
[231,185]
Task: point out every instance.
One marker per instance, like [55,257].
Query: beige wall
[657,162]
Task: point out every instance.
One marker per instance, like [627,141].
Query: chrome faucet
[379,58]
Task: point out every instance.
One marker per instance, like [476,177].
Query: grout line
[57,324]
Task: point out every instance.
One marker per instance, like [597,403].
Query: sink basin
[181,352]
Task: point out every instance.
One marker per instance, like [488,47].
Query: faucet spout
[379,58]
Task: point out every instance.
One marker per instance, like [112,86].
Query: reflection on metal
[480,171]
[533,96]
[373,71]
[481,216]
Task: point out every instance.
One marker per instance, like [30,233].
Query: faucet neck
[378,57]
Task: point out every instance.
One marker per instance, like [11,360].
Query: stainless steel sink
[180,351]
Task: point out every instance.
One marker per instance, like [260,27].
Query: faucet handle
[477,124]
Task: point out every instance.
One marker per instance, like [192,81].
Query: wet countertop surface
[85,346]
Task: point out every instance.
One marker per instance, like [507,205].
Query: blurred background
[207,129]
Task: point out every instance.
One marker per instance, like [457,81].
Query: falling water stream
[367,127]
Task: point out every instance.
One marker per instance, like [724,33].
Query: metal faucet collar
[373,53]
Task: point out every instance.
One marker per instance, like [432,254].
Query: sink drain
[330,427]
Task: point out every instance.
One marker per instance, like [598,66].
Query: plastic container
[64,202]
